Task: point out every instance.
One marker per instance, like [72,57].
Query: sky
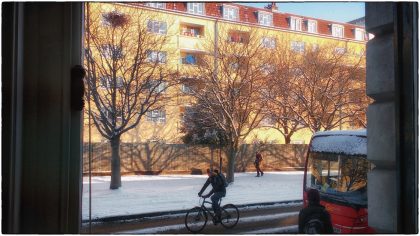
[333,11]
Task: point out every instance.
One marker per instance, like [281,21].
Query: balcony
[238,37]
[191,30]
[191,57]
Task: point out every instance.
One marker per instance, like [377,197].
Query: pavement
[257,218]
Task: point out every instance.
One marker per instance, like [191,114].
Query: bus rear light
[362,220]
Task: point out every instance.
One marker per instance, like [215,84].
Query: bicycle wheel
[230,216]
[195,220]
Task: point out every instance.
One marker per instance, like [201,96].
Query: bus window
[338,177]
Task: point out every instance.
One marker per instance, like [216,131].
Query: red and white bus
[337,166]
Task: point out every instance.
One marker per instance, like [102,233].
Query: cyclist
[218,191]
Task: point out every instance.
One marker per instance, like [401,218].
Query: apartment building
[192,25]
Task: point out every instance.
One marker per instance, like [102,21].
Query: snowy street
[147,194]
[278,218]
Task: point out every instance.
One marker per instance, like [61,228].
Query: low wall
[156,158]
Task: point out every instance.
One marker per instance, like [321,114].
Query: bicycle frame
[204,208]
[201,212]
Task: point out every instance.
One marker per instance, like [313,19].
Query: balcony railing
[194,61]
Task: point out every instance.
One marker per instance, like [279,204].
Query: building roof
[359,21]
[249,15]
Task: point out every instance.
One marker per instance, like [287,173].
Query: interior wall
[43,158]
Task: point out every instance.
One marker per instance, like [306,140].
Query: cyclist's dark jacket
[217,184]
[320,213]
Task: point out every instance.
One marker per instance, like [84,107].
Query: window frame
[340,50]
[111,51]
[153,28]
[295,21]
[227,12]
[193,6]
[314,27]
[362,34]
[155,5]
[154,56]
[264,16]
[268,42]
[337,30]
[105,82]
[161,88]
[298,46]
[156,115]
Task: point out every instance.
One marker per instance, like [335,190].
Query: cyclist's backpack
[223,178]
[314,225]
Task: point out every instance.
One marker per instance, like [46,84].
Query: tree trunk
[231,163]
[115,163]
[287,139]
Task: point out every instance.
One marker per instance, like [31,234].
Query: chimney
[272,6]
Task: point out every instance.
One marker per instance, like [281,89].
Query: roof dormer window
[312,26]
[295,23]
[230,12]
[195,8]
[265,18]
[337,30]
[160,5]
[359,34]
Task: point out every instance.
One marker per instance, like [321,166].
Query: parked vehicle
[337,165]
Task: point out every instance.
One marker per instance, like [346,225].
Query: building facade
[190,26]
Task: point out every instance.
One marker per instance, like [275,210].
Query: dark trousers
[215,202]
[259,171]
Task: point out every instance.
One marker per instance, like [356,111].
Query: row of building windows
[265,19]
[191,58]
[156,115]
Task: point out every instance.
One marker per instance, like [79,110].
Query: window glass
[359,34]
[265,18]
[296,23]
[156,56]
[230,13]
[339,177]
[337,31]
[196,8]
[107,82]
[298,46]
[194,31]
[157,116]
[340,50]
[238,37]
[157,86]
[158,27]
[156,4]
[269,42]
[189,59]
[111,51]
[312,26]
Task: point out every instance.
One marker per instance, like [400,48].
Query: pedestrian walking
[257,163]
[314,219]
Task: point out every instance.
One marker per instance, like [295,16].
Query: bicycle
[196,218]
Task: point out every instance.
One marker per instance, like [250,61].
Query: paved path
[254,219]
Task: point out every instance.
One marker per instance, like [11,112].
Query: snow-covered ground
[146,193]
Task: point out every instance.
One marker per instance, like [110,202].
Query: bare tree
[127,73]
[282,106]
[327,78]
[354,173]
[228,86]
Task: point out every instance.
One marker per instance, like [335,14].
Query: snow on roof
[345,142]
[360,132]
